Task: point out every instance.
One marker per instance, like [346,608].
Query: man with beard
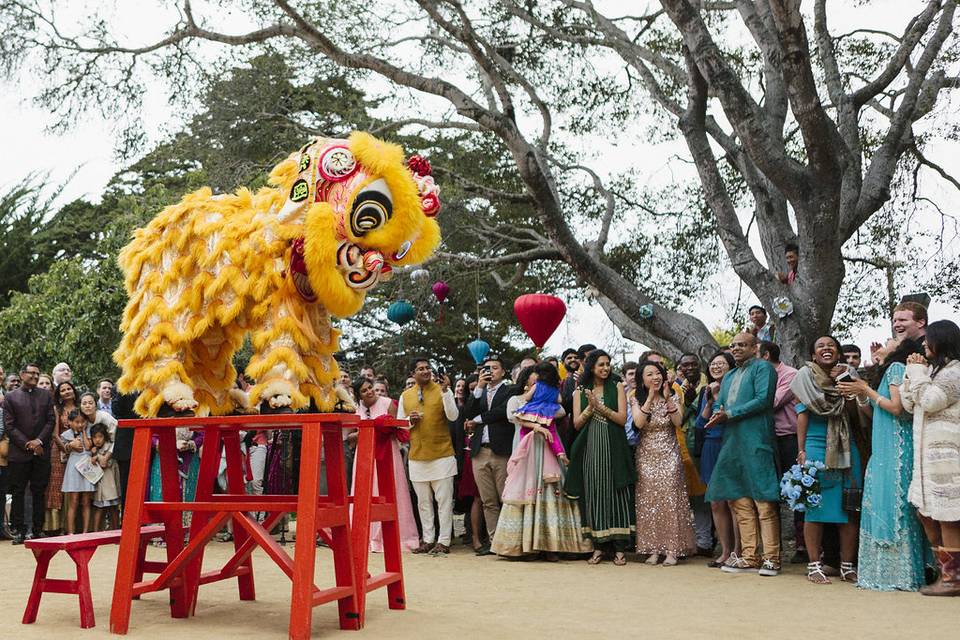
[571,360]
[746,470]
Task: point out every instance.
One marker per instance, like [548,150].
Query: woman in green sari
[602,474]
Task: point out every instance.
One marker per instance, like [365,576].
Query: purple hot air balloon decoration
[440,290]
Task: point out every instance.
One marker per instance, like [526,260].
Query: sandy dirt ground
[463,596]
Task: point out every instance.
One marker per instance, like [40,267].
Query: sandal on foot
[619,559]
[815,573]
[652,559]
[670,561]
[848,572]
[596,558]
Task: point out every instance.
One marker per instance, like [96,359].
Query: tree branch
[917,99]
[911,36]
[741,110]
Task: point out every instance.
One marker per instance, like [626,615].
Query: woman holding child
[536,517]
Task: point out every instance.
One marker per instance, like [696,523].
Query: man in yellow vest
[429,405]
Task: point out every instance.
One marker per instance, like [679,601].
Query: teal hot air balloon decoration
[401,312]
[478,350]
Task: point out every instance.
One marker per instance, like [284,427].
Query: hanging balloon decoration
[478,350]
[401,312]
[440,291]
[539,315]
[419,275]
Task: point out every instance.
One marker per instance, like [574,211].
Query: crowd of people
[572,457]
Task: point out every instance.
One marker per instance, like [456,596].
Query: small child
[541,407]
[76,488]
[106,497]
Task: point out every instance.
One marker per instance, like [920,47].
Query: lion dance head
[338,217]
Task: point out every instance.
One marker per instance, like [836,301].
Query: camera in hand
[845,376]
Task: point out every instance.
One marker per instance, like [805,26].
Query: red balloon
[440,290]
[539,315]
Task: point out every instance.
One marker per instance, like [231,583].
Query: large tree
[805,136]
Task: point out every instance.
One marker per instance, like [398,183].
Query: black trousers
[36,473]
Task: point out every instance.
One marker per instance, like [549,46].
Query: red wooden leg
[237,485]
[207,476]
[130,532]
[390,530]
[43,557]
[305,549]
[340,538]
[141,558]
[82,559]
[173,520]
[360,518]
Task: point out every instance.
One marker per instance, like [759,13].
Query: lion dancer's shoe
[178,401]
[949,582]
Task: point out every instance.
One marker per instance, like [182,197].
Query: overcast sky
[87,149]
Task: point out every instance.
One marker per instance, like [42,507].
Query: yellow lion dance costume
[276,264]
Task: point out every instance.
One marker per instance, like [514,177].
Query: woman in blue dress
[827,431]
[892,544]
[718,366]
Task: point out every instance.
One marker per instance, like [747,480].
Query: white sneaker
[769,569]
[739,565]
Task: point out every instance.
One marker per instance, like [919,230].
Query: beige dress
[935,404]
[664,519]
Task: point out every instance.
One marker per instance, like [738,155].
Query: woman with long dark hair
[664,520]
[65,400]
[718,367]
[827,432]
[931,390]
[602,474]
[892,546]
[369,407]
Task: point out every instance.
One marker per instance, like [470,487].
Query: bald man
[746,470]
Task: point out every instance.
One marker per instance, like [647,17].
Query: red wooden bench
[80,547]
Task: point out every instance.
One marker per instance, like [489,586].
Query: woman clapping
[664,519]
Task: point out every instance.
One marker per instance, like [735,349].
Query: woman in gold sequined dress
[664,520]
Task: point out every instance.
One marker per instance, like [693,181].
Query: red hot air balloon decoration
[539,315]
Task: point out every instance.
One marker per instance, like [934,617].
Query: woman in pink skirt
[370,406]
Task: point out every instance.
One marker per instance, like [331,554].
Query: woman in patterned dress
[892,545]
[664,519]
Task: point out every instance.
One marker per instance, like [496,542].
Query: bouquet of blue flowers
[800,485]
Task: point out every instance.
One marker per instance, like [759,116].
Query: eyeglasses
[30,373]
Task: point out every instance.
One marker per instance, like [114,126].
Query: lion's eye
[372,208]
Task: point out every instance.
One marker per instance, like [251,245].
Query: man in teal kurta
[746,470]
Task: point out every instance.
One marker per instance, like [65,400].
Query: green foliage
[68,314]
[33,235]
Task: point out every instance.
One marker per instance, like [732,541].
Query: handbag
[4,450]
[851,499]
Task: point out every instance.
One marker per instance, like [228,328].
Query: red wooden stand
[182,575]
